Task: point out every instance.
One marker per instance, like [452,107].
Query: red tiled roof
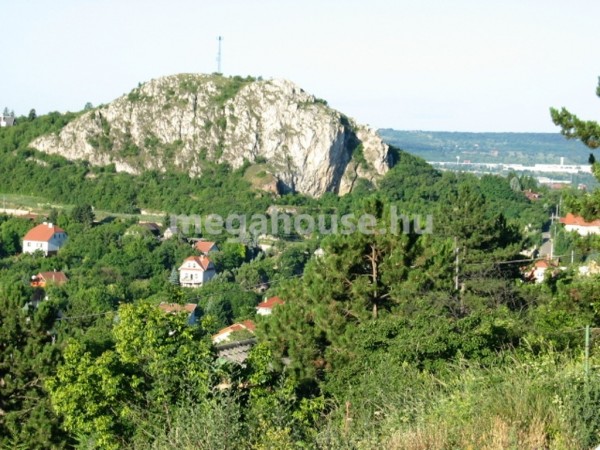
[245,325]
[204,246]
[176,307]
[572,219]
[250,326]
[271,302]
[55,277]
[42,232]
[203,261]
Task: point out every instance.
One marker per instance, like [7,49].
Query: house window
[29,244]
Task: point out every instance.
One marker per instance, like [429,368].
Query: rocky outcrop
[183,121]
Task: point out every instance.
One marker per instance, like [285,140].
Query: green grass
[39,205]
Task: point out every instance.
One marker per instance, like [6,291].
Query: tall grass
[541,404]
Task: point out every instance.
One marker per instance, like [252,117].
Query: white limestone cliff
[181,121]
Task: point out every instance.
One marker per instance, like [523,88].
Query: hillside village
[46,240]
[195,271]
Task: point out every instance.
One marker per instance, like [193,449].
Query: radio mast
[220,39]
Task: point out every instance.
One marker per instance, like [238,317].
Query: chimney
[50,225]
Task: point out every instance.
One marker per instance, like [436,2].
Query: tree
[83,214]
[88,106]
[360,278]
[515,184]
[572,127]
[27,357]
[174,277]
[157,360]
[32,115]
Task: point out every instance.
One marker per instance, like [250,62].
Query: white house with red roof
[537,272]
[206,247]
[265,308]
[580,225]
[46,237]
[224,334]
[176,308]
[195,271]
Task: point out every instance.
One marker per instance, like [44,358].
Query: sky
[460,65]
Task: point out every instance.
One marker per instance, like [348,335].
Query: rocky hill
[181,121]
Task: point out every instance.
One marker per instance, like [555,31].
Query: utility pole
[456,263]
[220,39]
[586,363]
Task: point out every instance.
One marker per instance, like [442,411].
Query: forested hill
[524,148]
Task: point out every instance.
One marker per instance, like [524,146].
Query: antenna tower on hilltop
[220,39]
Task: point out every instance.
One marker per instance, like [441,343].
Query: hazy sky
[461,65]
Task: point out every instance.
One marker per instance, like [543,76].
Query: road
[546,247]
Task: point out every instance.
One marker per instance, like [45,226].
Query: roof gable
[202,263]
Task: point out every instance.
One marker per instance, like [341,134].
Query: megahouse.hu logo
[280,223]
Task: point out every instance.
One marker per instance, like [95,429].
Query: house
[176,308]
[205,247]
[532,196]
[170,232]
[537,272]
[6,121]
[580,225]
[42,279]
[265,308]
[46,237]
[224,334]
[195,271]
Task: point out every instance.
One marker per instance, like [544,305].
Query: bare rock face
[181,122]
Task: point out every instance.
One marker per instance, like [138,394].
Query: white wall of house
[263,311]
[583,231]
[53,245]
[539,273]
[34,246]
[191,275]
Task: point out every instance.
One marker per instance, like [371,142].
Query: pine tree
[572,127]
[174,277]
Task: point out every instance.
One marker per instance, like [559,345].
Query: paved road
[546,245]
